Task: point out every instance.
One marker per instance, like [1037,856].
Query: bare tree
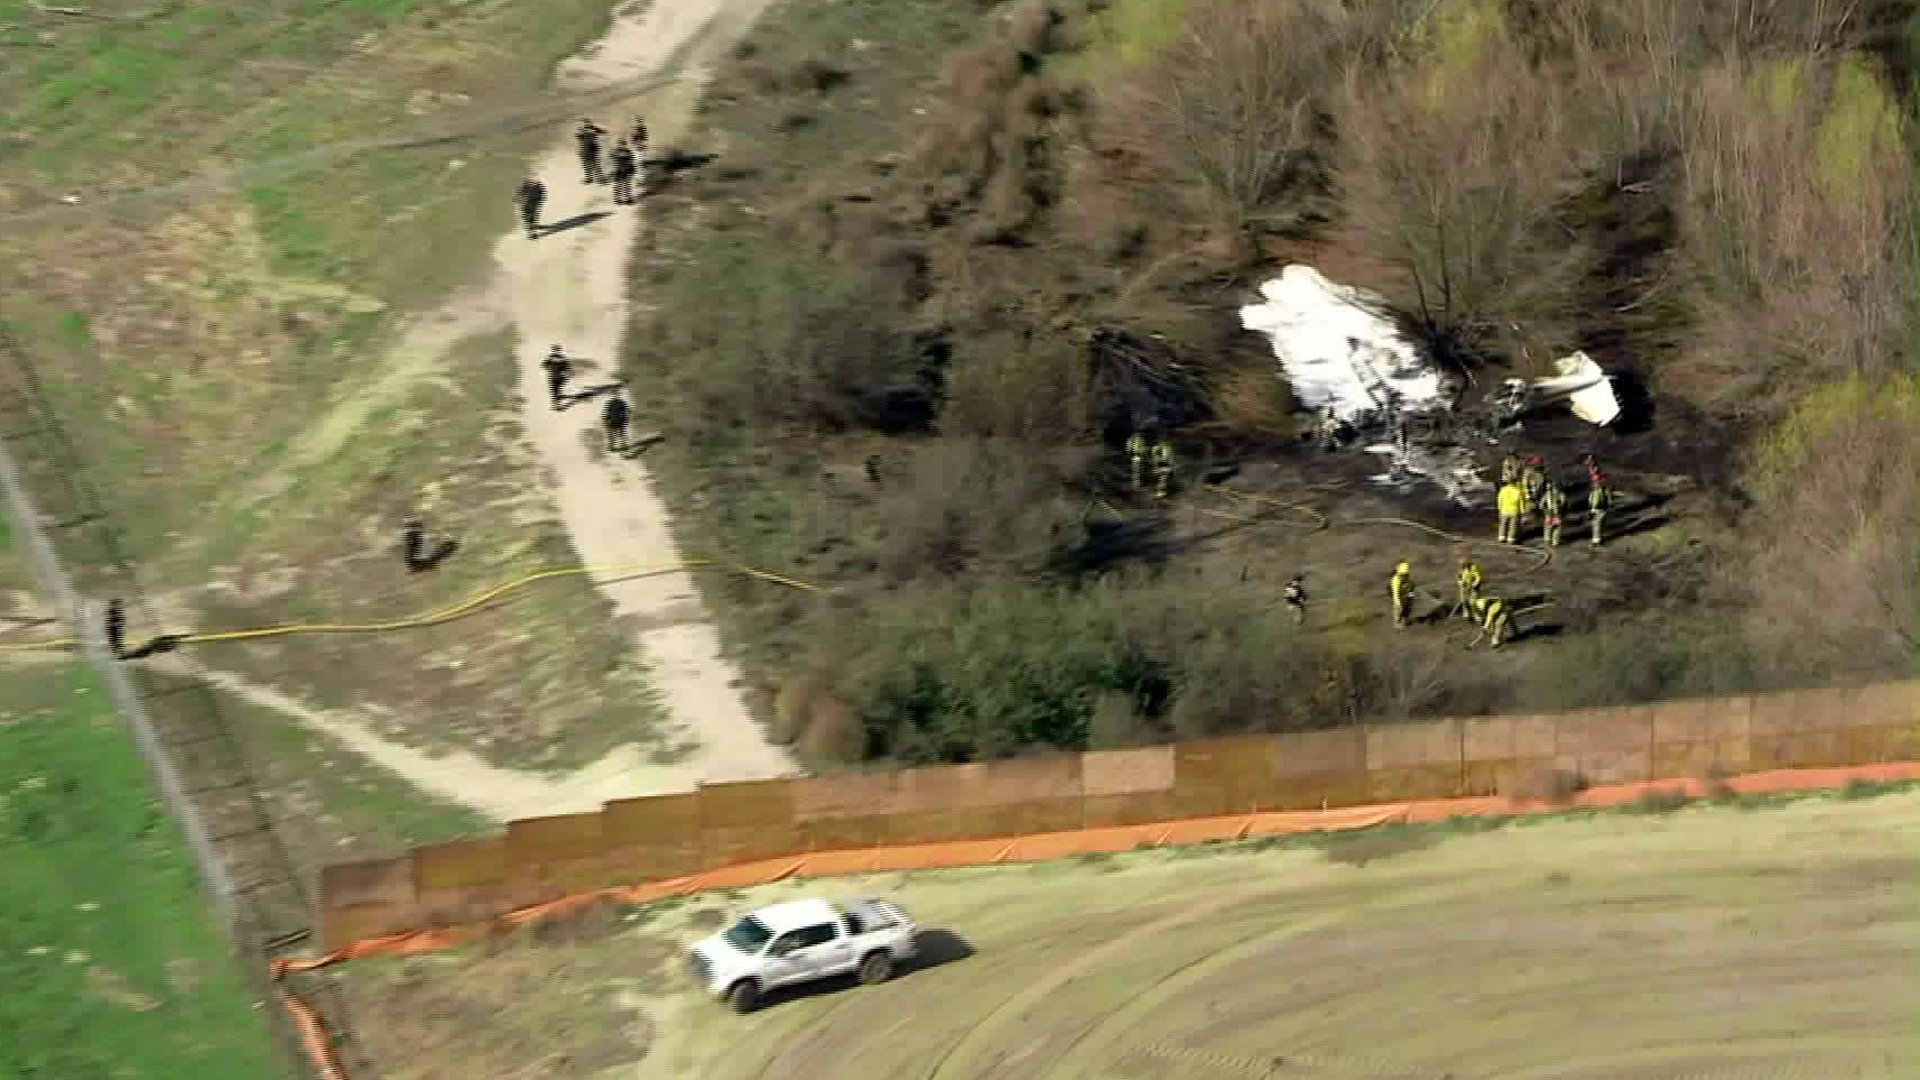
[1835,576]
[1236,108]
[1454,174]
[1797,185]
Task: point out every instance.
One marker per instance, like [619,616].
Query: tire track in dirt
[958,1056]
[1083,1051]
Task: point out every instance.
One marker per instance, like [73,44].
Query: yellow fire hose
[1323,522]
[447,614]
[1317,522]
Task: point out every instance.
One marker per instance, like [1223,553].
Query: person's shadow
[573,222]
[422,562]
[414,552]
[641,444]
[589,393]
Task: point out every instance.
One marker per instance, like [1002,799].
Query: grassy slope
[113,964]
[192,346]
[1331,947]
[327,803]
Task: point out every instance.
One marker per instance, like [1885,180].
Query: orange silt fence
[1038,847]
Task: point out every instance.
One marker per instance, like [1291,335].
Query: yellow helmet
[1404,568]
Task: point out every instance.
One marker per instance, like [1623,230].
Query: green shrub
[970,502]
[1620,665]
[960,673]
[763,335]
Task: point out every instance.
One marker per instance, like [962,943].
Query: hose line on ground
[1545,557]
[480,600]
[443,615]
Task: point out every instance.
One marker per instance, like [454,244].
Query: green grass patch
[335,803]
[543,678]
[766,111]
[114,966]
[1126,35]
[292,277]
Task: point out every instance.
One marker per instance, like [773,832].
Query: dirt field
[1776,941]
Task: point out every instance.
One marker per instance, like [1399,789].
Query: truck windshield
[747,935]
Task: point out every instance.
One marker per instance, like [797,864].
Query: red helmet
[1534,460]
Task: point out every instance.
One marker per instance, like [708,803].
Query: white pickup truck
[801,941]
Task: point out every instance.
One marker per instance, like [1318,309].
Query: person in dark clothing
[625,166]
[558,368]
[588,136]
[614,417]
[531,196]
[413,545]
[638,137]
[117,628]
[413,548]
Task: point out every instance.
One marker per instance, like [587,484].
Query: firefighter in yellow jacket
[1490,612]
[1402,589]
[1468,580]
[1163,466]
[1510,468]
[1137,457]
[1553,503]
[1512,504]
[1599,501]
[1532,478]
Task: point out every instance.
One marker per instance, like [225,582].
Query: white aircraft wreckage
[1342,353]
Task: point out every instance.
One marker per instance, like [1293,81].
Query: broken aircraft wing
[1586,388]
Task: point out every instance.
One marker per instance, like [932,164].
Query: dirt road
[1707,943]
[570,287]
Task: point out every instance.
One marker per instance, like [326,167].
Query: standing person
[558,368]
[1510,468]
[1599,501]
[1512,503]
[587,135]
[1163,466]
[117,628]
[1296,597]
[1468,582]
[1532,479]
[413,544]
[1401,587]
[531,196]
[1553,502]
[1137,457]
[614,416]
[625,165]
[638,137]
[1329,430]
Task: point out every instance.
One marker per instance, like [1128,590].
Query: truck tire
[744,996]
[876,967]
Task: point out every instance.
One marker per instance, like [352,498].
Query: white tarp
[1587,389]
[1338,349]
